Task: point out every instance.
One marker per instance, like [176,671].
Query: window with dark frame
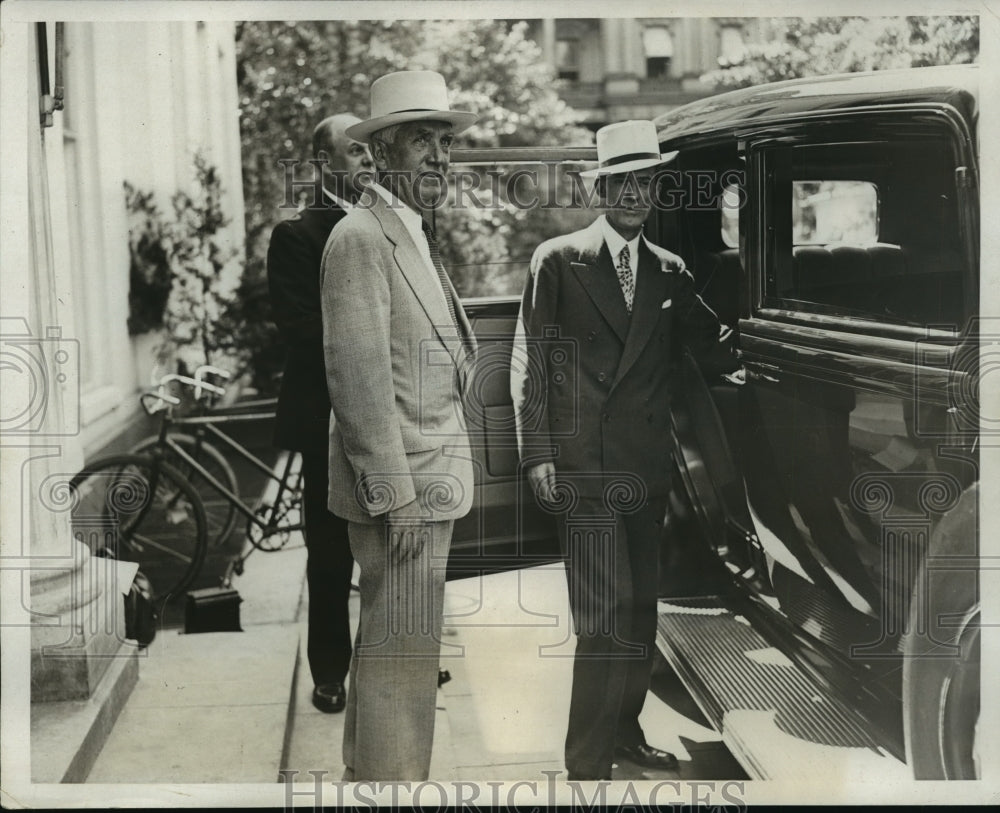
[658,48]
[864,229]
[568,58]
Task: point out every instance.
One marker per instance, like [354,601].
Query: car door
[852,432]
[504,203]
[856,347]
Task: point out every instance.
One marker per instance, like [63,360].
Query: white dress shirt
[616,243]
[414,225]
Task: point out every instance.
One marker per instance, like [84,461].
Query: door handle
[756,375]
[741,376]
[737,377]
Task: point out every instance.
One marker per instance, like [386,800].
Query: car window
[826,212]
[867,229]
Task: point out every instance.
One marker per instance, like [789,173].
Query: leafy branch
[184,269]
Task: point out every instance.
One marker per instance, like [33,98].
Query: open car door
[505,202]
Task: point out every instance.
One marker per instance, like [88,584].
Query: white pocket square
[666,304]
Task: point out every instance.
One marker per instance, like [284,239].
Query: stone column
[620,82]
[68,601]
[76,614]
[548,41]
[78,622]
[610,44]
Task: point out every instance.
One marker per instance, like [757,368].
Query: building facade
[106,135]
[613,69]
[103,104]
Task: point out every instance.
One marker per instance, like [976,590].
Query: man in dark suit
[293,274]
[594,433]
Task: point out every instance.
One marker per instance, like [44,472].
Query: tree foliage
[795,47]
[150,272]
[291,75]
[184,273]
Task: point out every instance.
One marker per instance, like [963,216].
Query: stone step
[210,707]
[214,706]
[67,735]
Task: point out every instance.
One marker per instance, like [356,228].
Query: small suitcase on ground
[212,609]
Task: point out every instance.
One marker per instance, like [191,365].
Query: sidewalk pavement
[511,652]
[236,706]
[214,707]
[507,643]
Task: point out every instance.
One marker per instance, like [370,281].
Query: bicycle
[219,511]
[191,452]
[141,509]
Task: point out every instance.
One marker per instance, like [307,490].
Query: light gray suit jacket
[396,369]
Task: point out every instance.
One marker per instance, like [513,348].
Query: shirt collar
[616,242]
[411,219]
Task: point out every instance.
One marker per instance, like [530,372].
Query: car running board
[775,721]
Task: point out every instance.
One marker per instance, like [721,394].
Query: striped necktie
[442,275]
[625,277]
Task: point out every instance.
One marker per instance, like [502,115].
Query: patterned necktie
[625,277]
[442,275]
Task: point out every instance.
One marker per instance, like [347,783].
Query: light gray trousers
[392,695]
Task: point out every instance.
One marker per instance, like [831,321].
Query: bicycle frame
[206,424]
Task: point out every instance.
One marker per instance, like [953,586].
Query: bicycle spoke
[149,542]
[220,510]
[155,515]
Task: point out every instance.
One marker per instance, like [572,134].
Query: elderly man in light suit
[398,349]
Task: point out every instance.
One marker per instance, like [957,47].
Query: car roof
[956,85]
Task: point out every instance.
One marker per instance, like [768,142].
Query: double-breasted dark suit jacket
[591,384]
[293,276]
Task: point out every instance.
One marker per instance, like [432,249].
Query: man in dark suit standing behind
[293,275]
[595,436]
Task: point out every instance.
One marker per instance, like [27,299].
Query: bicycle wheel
[219,510]
[142,510]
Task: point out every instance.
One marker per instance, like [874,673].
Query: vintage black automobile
[833,223]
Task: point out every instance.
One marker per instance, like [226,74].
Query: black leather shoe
[647,756]
[330,697]
[572,777]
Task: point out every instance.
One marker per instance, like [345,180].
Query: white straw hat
[409,96]
[627,146]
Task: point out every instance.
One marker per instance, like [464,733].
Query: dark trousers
[328,574]
[612,568]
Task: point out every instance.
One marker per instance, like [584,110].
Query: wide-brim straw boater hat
[409,96]
[627,146]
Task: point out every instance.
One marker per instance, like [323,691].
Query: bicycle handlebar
[162,399]
[197,383]
[211,370]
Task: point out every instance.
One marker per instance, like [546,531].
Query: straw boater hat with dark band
[627,146]
[409,96]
